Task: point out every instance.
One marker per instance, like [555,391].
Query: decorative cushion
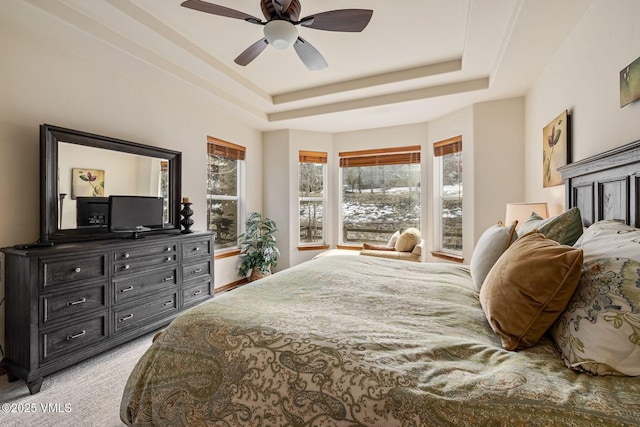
[599,332]
[528,288]
[609,238]
[565,228]
[377,247]
[493,242]
[408,239]
[394,238]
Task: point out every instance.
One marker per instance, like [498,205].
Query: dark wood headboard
[606,186]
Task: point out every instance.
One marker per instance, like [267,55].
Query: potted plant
[258,252]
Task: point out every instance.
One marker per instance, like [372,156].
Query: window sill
[353,248]
[448,257]
[313,247]
[226,254]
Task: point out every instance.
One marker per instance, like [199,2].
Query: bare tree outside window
[222,199]
[451,198]
[311,203]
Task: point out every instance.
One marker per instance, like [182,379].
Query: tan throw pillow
[528,288]
[408,239]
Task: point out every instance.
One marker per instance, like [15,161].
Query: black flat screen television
[134,214]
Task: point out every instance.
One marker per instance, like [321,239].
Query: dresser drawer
[80,334]
[131,286]
[197,293]
[196,248]
[197,270]
[63,304]
[151,261]
[132,316]
[73,269]
[144,251]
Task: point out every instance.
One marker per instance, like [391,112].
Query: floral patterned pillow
[599,332]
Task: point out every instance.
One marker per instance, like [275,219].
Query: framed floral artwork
[630,83]
[87,182]
[555,149]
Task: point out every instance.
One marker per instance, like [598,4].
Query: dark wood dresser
[75,300]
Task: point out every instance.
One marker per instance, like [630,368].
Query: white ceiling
[417,59]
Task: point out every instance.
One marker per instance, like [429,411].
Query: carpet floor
[85,394]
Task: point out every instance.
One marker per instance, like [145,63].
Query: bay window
[380,193]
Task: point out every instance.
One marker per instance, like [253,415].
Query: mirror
[79,171]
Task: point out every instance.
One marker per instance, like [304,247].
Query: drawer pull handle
[197,249]
[126,267]
[198,292]
[169,259]
[73,337]
[198,270]
[127,317]
[80,301]
[168,303]
[167,279]
[130,288]
[169,249]
[77,269]
[126,255]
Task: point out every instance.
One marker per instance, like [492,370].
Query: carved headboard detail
[606,186]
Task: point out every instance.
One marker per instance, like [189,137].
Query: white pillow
[394,238]
[599,332]
[493,242]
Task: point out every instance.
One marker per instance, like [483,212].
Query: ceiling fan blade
[215,9]
[251,52]
[309,55]
[281,5]
[348,20]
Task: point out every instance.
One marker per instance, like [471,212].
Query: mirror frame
[49,193]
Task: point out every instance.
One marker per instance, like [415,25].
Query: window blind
[380,157]
[222,148]
[448,146]
[312,156]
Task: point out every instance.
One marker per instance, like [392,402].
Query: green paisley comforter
[360,341]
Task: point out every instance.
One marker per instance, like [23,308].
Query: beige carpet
[86,394]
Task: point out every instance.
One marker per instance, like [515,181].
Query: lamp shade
[280,34]
[522,211]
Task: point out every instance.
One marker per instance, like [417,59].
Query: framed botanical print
[555,149]
[87,182]
[630,83]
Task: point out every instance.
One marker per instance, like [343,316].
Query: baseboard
[230,286]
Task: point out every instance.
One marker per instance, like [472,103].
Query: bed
[364,341]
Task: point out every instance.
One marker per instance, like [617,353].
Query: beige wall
[46,80]
[492,135]
[584,79]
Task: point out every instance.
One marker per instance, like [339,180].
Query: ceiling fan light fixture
[280,34]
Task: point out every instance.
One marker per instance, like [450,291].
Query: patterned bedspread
[360,341]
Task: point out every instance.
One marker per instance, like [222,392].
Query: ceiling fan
[282,17]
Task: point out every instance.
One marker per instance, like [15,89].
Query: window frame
[222,148]
[440,150]
[314,157]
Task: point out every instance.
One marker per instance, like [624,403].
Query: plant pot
[257,274]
